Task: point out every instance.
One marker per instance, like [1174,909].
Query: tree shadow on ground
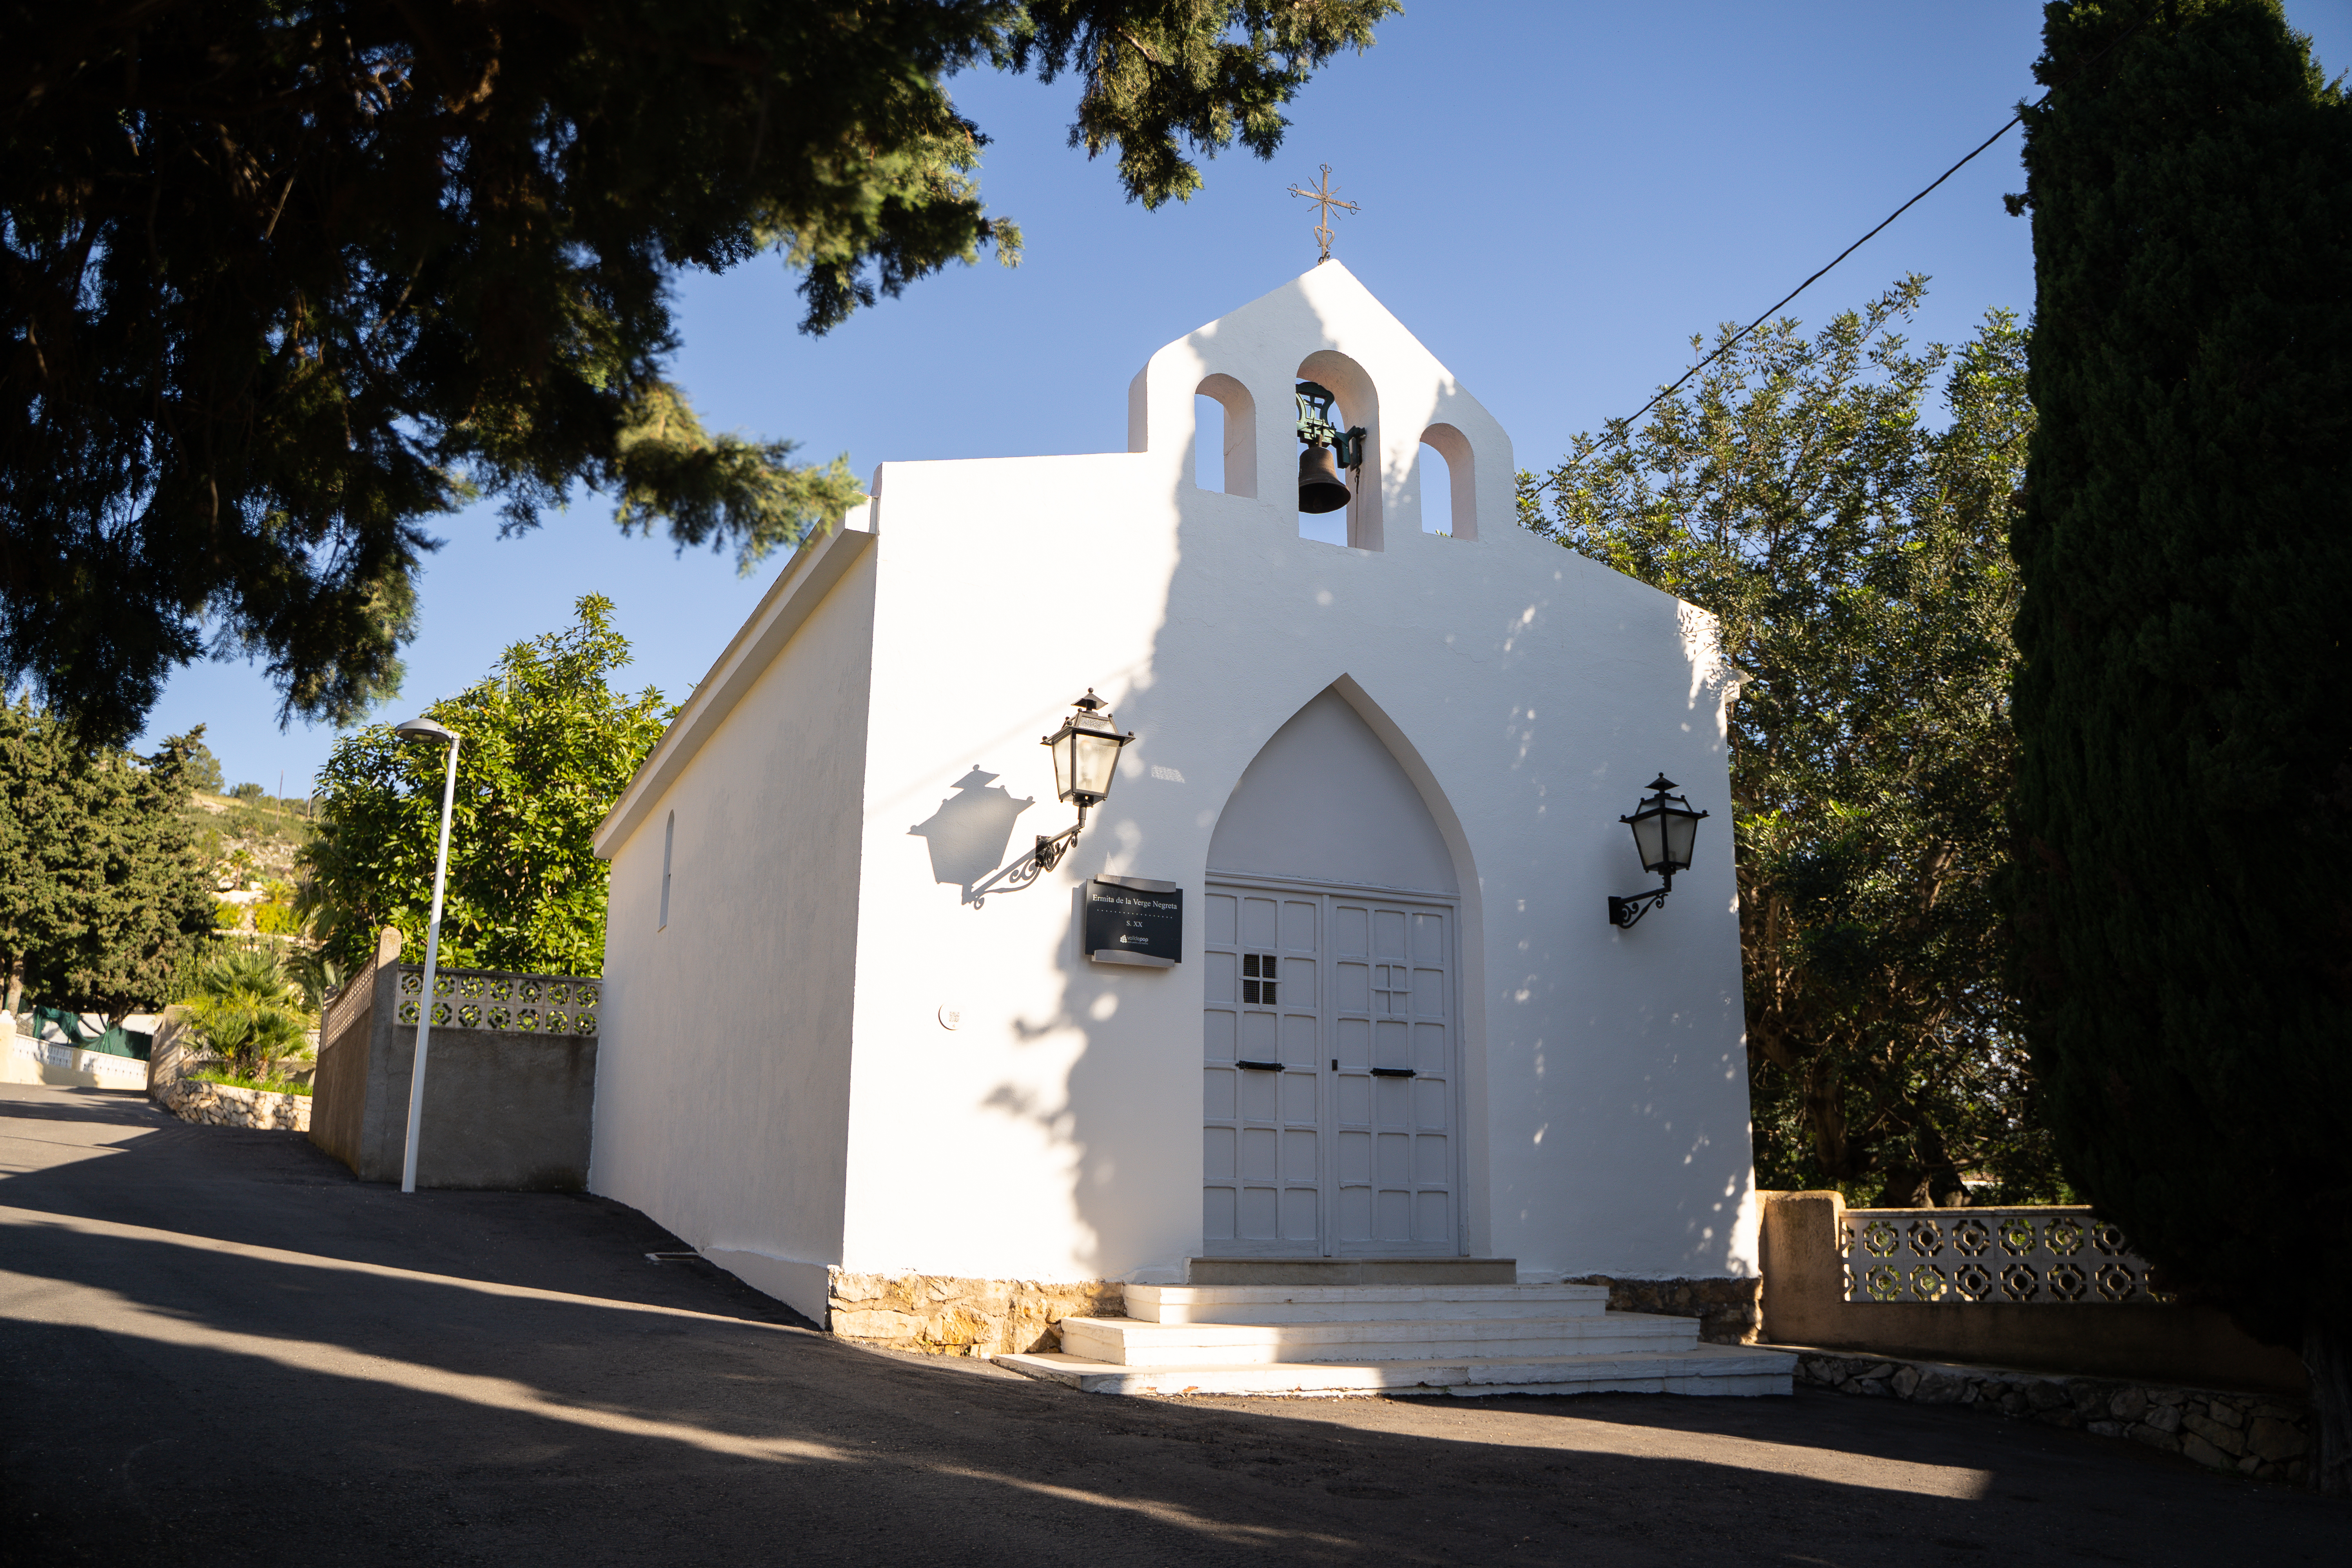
[507,1381]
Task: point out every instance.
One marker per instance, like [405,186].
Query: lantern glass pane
[1097,756]
[1065,752]
[1682,831]
[1650,840]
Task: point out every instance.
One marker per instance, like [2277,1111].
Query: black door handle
[1259,1067]
[1394,1072]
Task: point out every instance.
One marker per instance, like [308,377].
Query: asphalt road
[217,1348]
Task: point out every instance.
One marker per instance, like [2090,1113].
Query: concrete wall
[1525,693]
[28,1059]
[347,1040]
[504,1111]
[722,1108]
[1805,1304]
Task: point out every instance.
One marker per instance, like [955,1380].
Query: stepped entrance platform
[1443,1326]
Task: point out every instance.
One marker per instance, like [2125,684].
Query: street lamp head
[423,729]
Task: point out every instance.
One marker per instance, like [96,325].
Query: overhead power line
[1733,340]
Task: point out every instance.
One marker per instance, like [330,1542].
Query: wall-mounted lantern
[1664,827]
[1329,449]
[1086,758]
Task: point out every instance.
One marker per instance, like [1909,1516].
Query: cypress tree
[2182,897]
[102,892]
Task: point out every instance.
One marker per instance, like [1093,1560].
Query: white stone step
[1358,1303]
[1719,1369]
[1128,1342]
[1422,1270]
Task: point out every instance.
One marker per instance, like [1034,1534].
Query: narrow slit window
[669,838]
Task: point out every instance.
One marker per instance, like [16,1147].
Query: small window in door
[1258,979]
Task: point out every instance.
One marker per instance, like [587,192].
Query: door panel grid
[1328,1071]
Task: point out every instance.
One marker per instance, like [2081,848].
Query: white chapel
[1321,1044]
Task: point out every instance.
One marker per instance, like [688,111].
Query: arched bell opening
[1225,436]
[1449,485]
[1339,452]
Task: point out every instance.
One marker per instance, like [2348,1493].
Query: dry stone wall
[946,1315]
[1729,1311]
[2254,1435]
[225,1105]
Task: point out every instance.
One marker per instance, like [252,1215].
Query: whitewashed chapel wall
[723,1072]
[1528,693]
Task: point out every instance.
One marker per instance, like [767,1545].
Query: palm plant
[246,1010]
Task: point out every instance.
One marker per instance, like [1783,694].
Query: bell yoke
[1329,449]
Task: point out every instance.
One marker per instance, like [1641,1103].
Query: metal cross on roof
[1324,200]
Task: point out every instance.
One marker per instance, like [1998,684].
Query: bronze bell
[1320,488]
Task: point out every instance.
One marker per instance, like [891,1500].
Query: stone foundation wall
[1729,1311]
[950,1316]
[224,1105]
[2253,1434]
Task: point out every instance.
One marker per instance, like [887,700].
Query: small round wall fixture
[1086,761]
[1664,830]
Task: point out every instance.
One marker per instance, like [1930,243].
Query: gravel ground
[217,1348]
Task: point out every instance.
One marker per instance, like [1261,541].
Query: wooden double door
[1332,1075]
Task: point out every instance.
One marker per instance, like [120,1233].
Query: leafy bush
[274,915]
[252,792]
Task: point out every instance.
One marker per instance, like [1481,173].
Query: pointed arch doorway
[1331,1038]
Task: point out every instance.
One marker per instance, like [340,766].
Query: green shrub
[242,1081]
[275,919]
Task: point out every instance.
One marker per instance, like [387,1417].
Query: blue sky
[1555,197]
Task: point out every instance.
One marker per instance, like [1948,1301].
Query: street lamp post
[422,729]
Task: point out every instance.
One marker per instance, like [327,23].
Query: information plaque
[1134,920]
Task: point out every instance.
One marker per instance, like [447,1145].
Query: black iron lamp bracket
[1050,850]
[1623,912]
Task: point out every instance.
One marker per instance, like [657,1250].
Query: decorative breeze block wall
[2041,1256]
[492,999]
